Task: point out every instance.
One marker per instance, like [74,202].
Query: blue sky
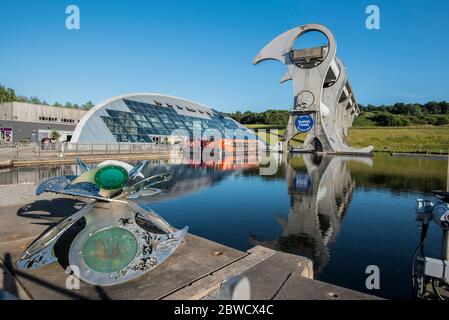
[203,50]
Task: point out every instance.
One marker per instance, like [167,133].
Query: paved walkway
[16,194]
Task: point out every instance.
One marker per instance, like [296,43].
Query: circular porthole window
[111,177]
[110,250]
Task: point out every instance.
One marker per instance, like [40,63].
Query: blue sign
[304,123]
[302,182]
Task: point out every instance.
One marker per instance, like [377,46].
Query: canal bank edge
[87,158]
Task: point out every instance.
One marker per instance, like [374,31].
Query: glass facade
[146,120]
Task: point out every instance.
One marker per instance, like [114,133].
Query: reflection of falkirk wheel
[324,103]
[320,193]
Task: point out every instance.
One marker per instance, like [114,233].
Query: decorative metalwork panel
[110,250]
[112,247]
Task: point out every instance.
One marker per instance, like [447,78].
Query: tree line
[398,114]
[9,95]
[269,117]
[404,114]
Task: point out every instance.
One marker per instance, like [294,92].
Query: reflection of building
[186,179]
[33,122]
[232,162]
[320,193]
[38,174]
[34,175]
[154,118]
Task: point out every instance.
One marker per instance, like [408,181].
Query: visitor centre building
[155,118]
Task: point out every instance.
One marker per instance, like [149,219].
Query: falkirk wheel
[324,104]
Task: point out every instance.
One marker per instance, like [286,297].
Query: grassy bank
[432,139]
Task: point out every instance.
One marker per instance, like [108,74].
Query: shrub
[383,119]
[364,121]
[54,134]
[442,120]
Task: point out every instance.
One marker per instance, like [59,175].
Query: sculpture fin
[83,166]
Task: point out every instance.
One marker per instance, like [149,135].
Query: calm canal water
[345,213]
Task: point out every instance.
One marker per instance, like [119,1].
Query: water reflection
[320,189]
[33,174]
[343,212]
[189,176]
[401,174]
[186,179]
[38,174]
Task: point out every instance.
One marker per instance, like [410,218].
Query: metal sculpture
[120,241]
[324,104]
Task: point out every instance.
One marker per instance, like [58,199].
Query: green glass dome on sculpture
[111,177]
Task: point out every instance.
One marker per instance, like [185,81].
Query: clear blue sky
[203,50]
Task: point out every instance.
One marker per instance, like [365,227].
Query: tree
[35,100]
[88,105]
[442,120]
[22,99]
[54,134]
[383,118]
[433,107]
[444,107]
[416,110]
[7,94]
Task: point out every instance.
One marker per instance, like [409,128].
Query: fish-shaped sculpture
[120,241]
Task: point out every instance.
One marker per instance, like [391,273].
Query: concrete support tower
[324,103]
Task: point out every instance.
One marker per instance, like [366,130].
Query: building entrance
[6,134]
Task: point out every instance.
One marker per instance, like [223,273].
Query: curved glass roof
[161,119]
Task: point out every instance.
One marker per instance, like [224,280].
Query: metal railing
[117,148]
[30,150]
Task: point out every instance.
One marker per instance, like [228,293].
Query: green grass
[433,139]
[423,139]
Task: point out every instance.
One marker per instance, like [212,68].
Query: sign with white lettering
[304,123]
